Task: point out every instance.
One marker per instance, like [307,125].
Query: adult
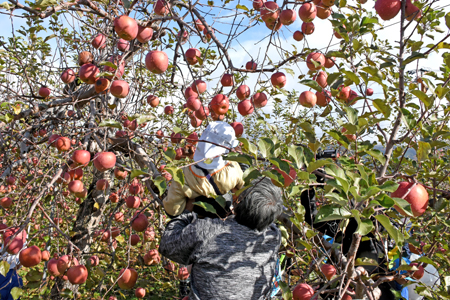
[233,258]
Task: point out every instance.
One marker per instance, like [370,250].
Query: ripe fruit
[321,79]
[329,3]
[417,197]
[251,65]
[65,262]
[77,274]
[44,91]
[351,99]
[168,110]
[259,100]
[322,99]
[245,107]
[133,202]
[152,257]
[159,134]
[307,99]
[270,12]
[298,36]
[207,35]
[101,85]
[344,93]
[307,12]
[85,57]
[419,273]
[308,28]
[6,202]
[30,257]
[202,113]
[140,223]
[99,42]
[119,88]
[63,144]
[193,103]
[75,186]
[412,11]
[15,246]
[183,273]
[81,157]
[369,92]
[128,278]
[119,174]
[123,45]
[323,12]
[199,25]
[189,92]
[257,4]
[275,25]
[288,16]
[243,92]
[126,27]
[134,239]
[288,179]
[329,62]
[140,292]
[350,137]
[175,137]
[328,270]
[388,9]
[101,185]
[303,291]
[161,8]
[227,80]
[88,73]
[199,86]
[104,161]
[238,128]
[152,100]
[118,216]
[192,55]
[144,34]
[219,104]
[157,62]
[317,57]
[68,76]
[52,267]
[278,79]
[45,255]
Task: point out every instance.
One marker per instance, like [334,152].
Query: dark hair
[259,205]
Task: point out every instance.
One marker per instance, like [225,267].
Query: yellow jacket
[196,184]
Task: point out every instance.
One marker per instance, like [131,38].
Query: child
[208,178]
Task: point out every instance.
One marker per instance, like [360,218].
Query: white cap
[220,133]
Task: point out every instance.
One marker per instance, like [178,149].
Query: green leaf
[108,63]
[338,137]
[241,158]
[332,78]
[296,152]
[141,119]
[16,292]
[318,164]
[389,186]
[206,206]
[250,174]
[364,226]
[248,146]
[428,260]
[441,91]
[352,115]
[423,97]
[136,173]
[120,239]
[49,37]
[170,153]
[286,292]
[4,268]
[382,107]
[104,74]
[413,57]
[306,126]
[423,151]
[110,123]
[377,154]
[408,118]
[274,175]
[266,147]
[312,84]
[369,20]
[447,20]
[5,5]
[243,7]
[291,72]
[221,200]
[392,231]
[330,213]
[352,76]
[373,71]
[281,164]
[177,175]
[161,184]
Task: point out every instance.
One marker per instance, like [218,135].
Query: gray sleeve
[180,239]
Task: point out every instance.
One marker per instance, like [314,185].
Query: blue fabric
[11,280]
